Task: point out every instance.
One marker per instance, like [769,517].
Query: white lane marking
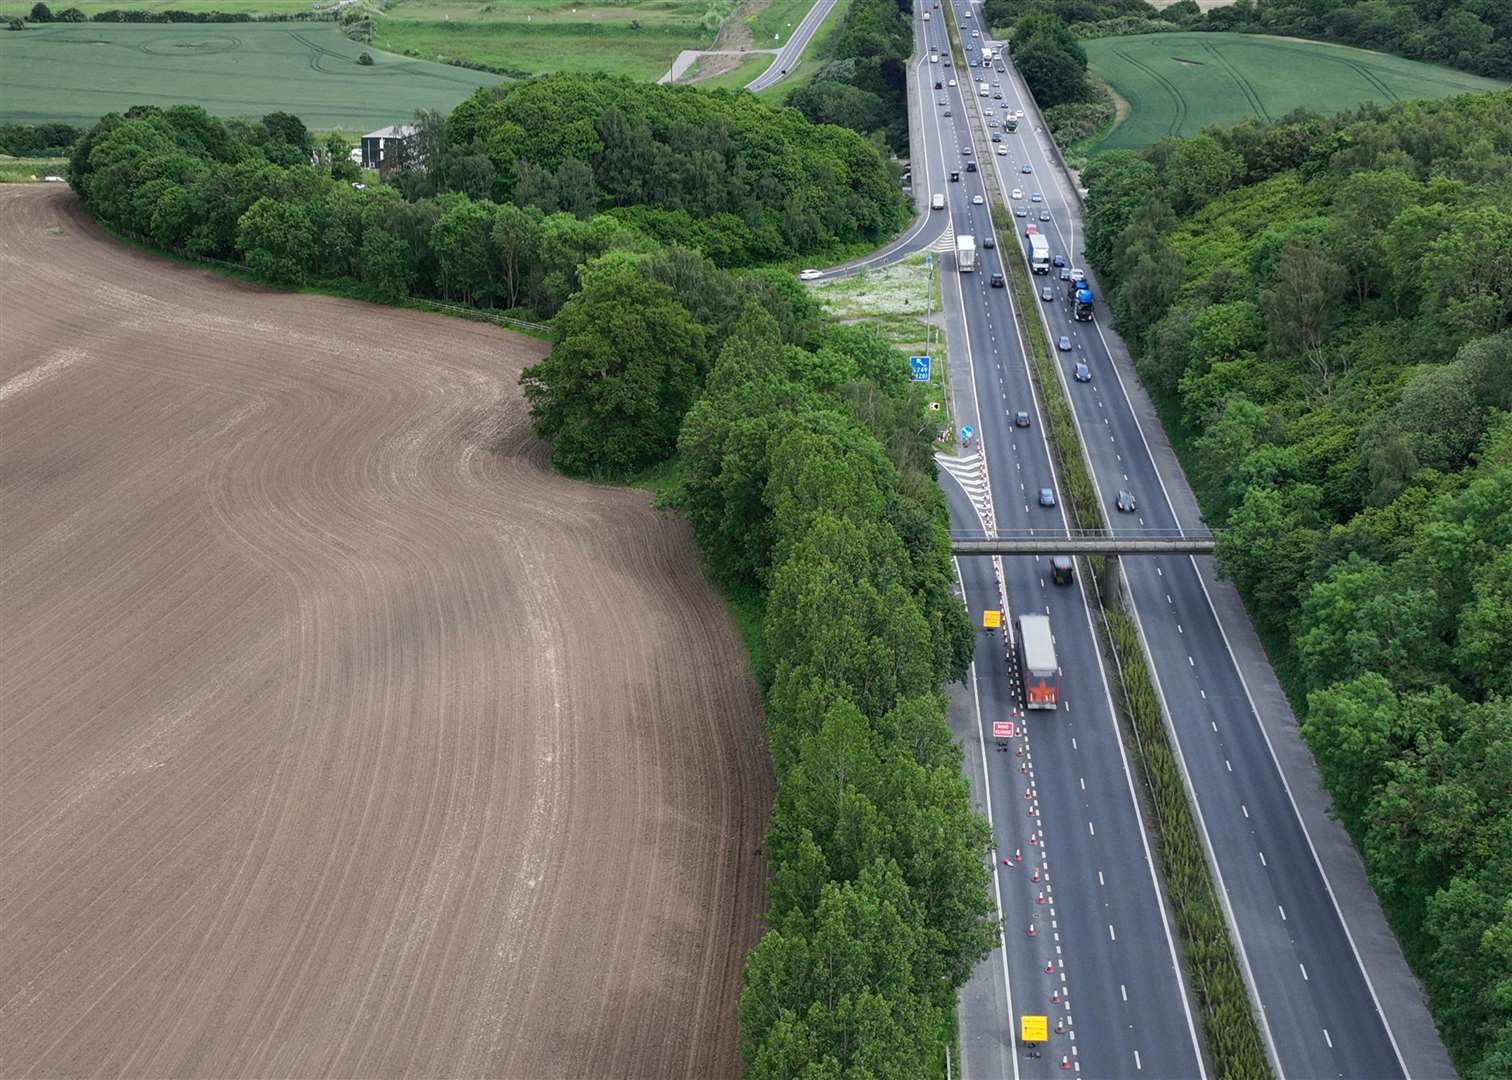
[1282,910]
[1304,972]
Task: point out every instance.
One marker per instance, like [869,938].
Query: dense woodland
[1323,310]
[863,84]
[1472,35]
[487,214]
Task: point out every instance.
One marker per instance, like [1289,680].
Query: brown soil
[339,737]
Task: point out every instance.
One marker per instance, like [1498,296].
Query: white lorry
[1039,254]
[965,253]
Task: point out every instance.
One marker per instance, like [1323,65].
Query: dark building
[384,149]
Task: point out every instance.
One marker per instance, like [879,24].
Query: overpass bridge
[1083,542]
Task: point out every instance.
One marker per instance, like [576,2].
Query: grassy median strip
[1223,1002]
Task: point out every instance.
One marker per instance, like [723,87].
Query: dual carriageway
[1088,940]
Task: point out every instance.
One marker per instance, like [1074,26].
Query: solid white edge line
[1144,840]
[997,883]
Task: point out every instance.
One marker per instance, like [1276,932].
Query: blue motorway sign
[920,366]
[967,431]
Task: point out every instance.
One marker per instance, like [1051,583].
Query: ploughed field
[338,735]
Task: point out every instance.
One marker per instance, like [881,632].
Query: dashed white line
[1304,972]
[1282,910]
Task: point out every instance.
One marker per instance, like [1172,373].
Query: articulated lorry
[965,253]
[1039,254]
[1035,648]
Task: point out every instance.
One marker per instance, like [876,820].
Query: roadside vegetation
[861,81]
[1322,310]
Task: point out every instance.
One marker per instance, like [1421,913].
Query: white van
[982,90]
[939,201]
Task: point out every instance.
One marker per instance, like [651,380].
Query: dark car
[1019,211]
[1044,215]
[996,137]
[1021,419]
[1061,569]
[955,177]
[1064,344]
[1125,502]
[988,242]
[971,166]
[1059,260]
[1047,497]
[939,85]
[997,281]
[1046,295]
[1082,373]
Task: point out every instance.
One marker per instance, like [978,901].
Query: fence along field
[1177,84]
[77,72]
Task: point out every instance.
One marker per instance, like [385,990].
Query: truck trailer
[1037,665]
[965,253]
[1039,254]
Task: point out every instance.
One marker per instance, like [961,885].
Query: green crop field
[1177,84]
[77,72]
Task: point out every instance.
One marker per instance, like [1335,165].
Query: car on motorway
[943,103]
[966,14]
[1065,275]
[1125,502]
[1060,260]
[1025,168]
[997,137]
[1019,211]
[1018,193]
[1047,496]
[934,58]
[947,112]
[997,281]
[976,33]
[955,177]
[1064,344]
[1047,294]
[952,82]
[1002,151]
[947,62]
[992,123]
[988,242]
[1021,418]
[976,200]
[965,151]
[1036,197]
[939,85]
[1044,215]
[938,202]
[1061,569]
[1081,373]
[1000,67]
[974,62]
[810,275]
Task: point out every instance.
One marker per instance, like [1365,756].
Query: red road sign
[1002,729]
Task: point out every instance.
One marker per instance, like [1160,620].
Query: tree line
[806,470]
[289,207]
[863,84]
[1322,308]
[1472,35]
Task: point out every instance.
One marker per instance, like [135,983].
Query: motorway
[1101,964]
[1320,1016]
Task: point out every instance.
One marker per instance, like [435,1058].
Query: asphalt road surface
[340,736]
[788,55]
[1063,797]
[1321,1016]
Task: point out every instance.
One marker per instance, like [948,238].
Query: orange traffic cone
[1065,1062]
[1049,968]
[1030,931]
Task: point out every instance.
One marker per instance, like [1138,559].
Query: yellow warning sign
[991,620]
[1034,1029]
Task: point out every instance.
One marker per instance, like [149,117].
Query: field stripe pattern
[340,736]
